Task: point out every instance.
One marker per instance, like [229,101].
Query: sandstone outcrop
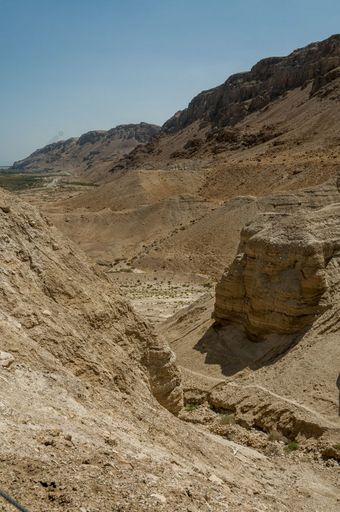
[284,273]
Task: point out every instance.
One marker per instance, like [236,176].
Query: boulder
[6,359]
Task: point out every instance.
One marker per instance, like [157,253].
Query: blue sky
[69,66]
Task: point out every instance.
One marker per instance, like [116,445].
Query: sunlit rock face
[243,93]
[284,272]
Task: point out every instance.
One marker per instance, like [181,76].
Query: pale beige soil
[125,455]
[158,295]
[160,235]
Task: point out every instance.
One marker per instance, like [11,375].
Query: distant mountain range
[91,152]
[282,102]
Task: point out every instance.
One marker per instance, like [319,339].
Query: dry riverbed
[156,296]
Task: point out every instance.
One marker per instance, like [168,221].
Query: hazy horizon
[72,67]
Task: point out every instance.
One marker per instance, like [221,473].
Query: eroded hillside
[241,188]
[180,201]
[269,358]
[79,424]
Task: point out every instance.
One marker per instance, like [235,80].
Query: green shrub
[292,446]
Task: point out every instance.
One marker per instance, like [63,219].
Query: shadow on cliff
[229,347]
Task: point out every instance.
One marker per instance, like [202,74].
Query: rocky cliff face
[284,272]
[91,149]
[81,326]
[244,93]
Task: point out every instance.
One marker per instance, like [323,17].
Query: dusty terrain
[239,190]
[158,295]
[93,437]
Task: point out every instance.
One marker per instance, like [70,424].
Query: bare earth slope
[271,358]
[281,101]
[210,242]
[80,427]
[244,93]
[270,131]
[89,391]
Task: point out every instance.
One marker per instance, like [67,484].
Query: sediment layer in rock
[283,274]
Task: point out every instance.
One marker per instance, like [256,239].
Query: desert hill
[80,425]
[91,150]
[280,114]
[138,208]
[142,217]
[214,170]
[98,413]
[208,243]
[251,91]
[280,104]
[270,355]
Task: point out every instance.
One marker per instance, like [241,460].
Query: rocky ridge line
[244,93]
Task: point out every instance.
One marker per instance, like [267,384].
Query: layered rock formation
[79,371]
[247,92]
[284,273]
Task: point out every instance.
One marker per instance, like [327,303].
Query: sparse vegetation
[257,361]
[17,182]
[79,184]
[227,419]
[190,407]
[292,446]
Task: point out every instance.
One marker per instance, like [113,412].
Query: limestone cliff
[247,92]
[284,273]
[282,103]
